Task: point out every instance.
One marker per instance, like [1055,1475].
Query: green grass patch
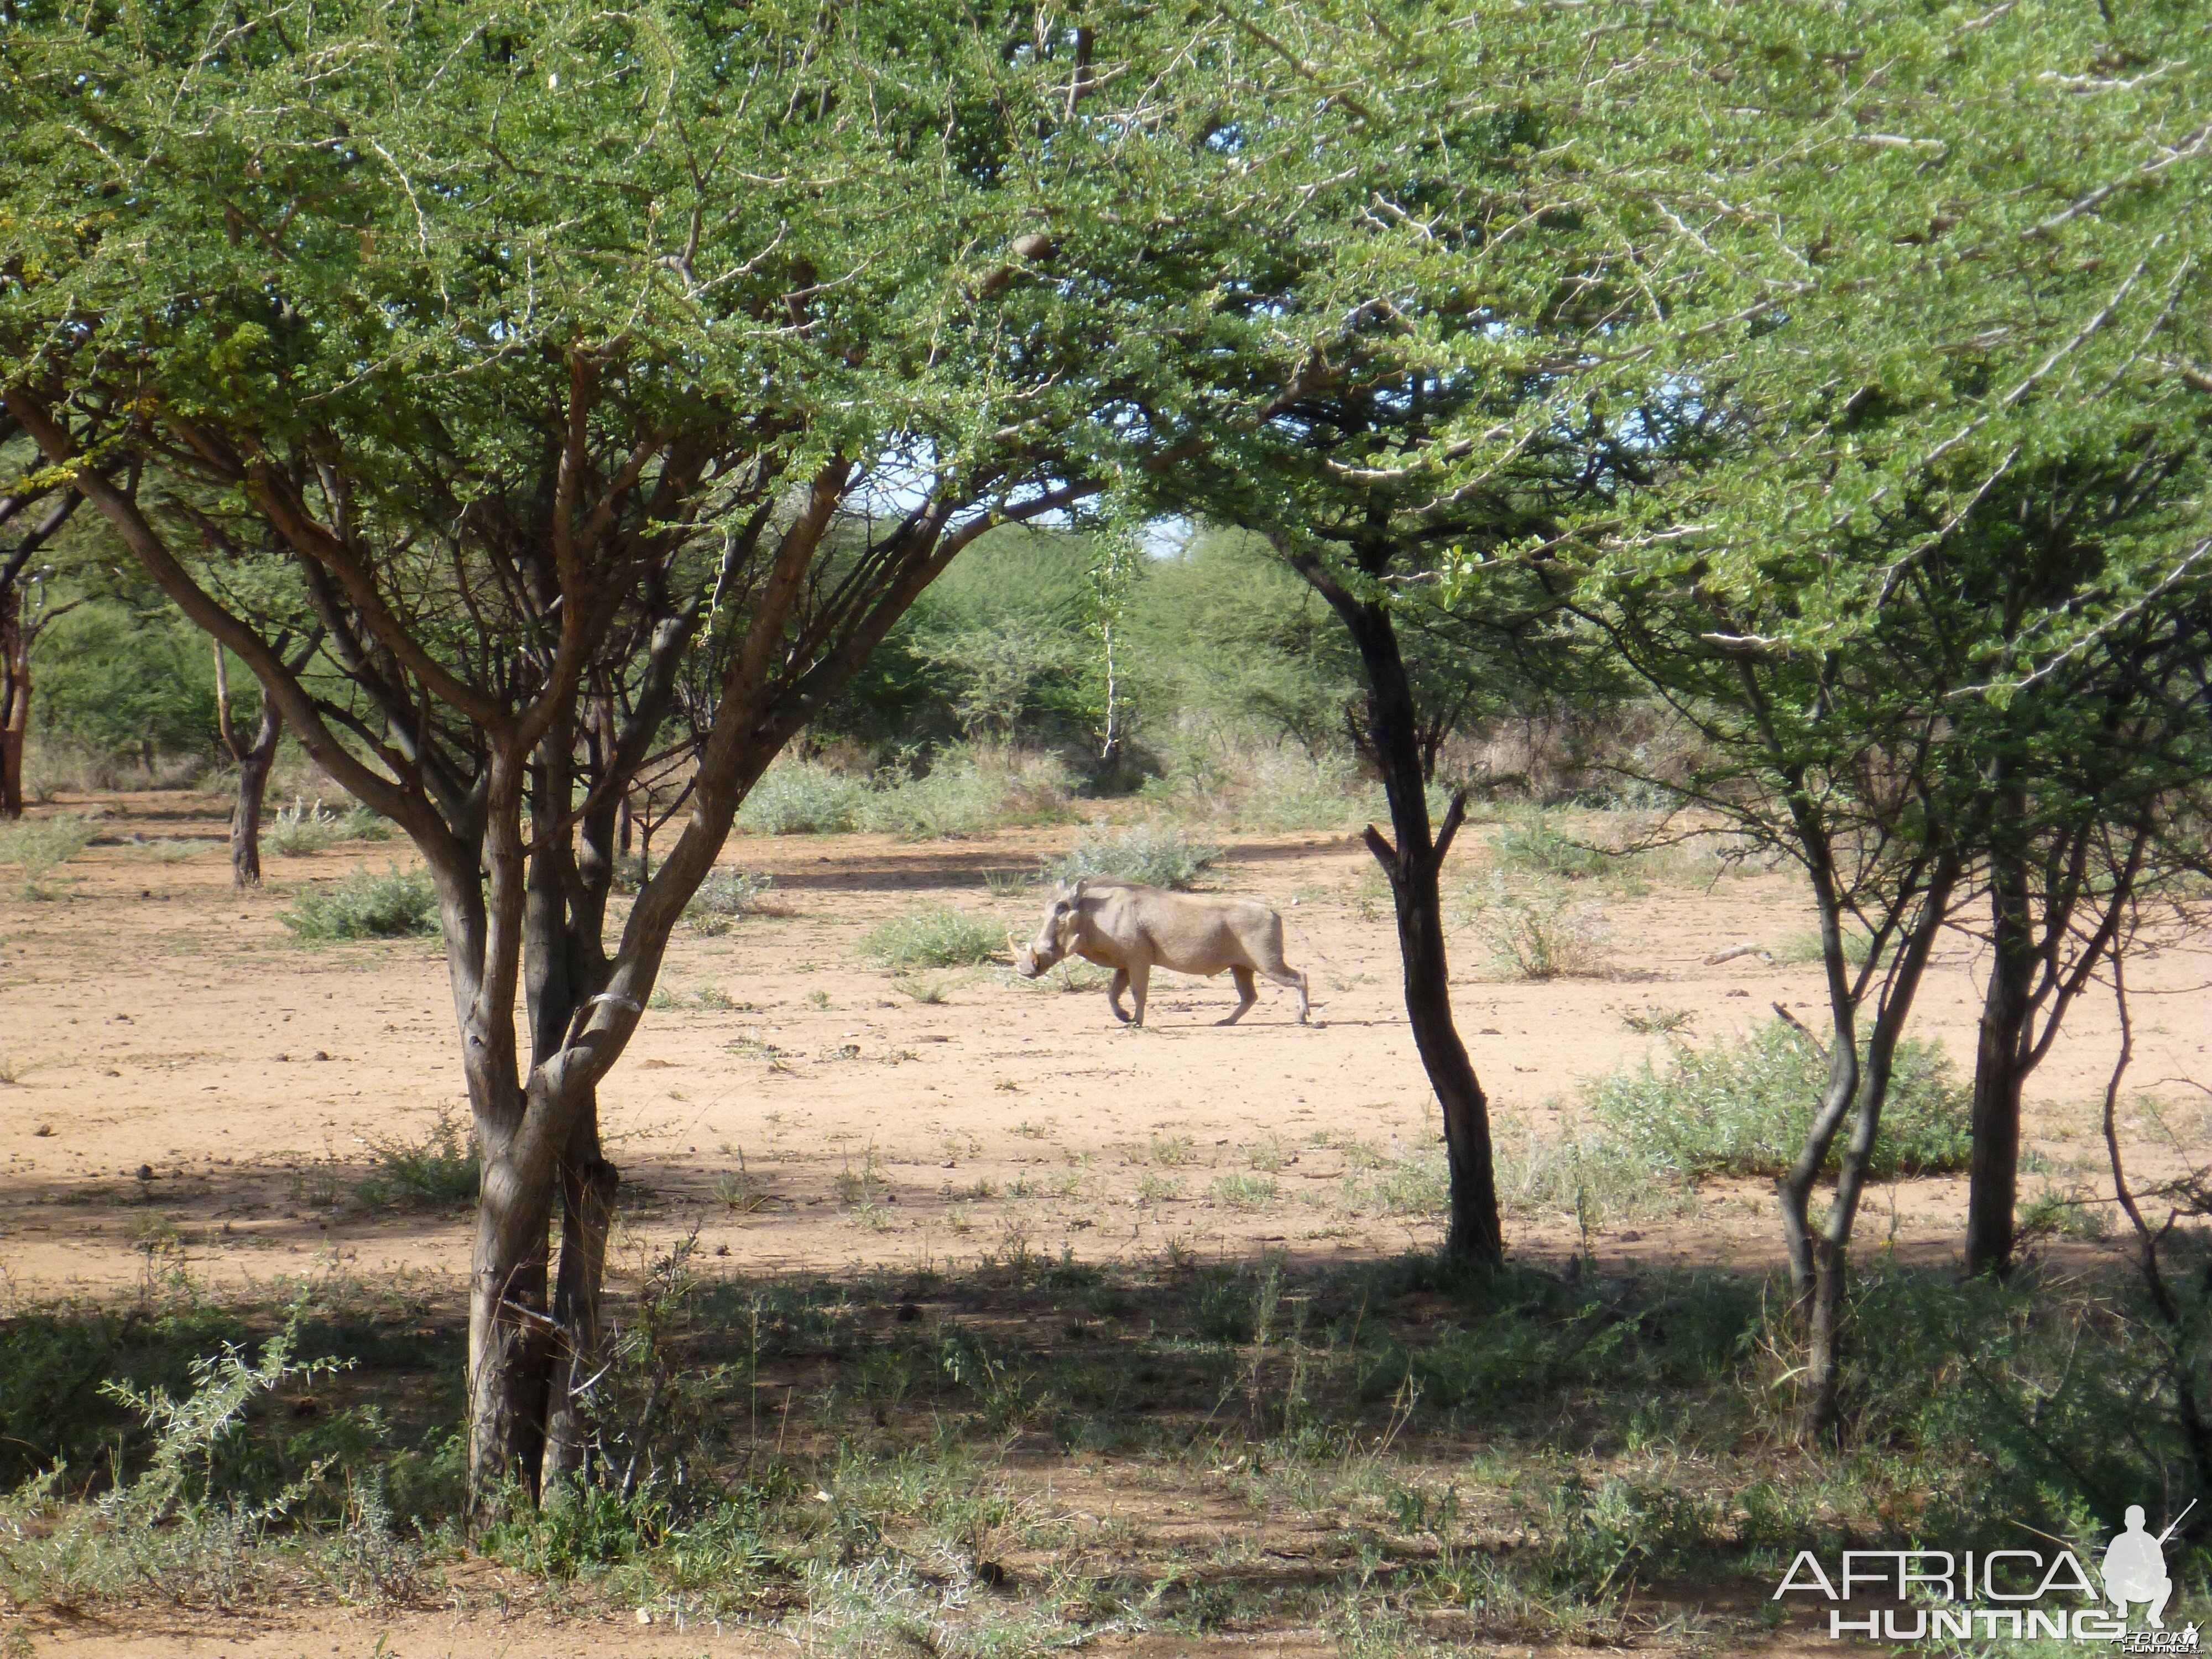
[397,904]
[1743,1108]
[935,936]
[726,898]
[37,847]
[1157,854]
[439,1171]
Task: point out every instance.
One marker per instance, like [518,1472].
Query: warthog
[1134,929]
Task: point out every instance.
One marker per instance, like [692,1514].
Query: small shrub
[1533,844]
[1170,1150]
[723,899]
[1596,1179]
[1743,1108]
[301,829]
[935,936]
[740,1191]
[1804,947]
[177,849]
[929,988]
[1242,1192]
[2069,1214]
[965,792]
[397,904]
[1419,1184]
[1659,1022]
[166,1525]
[364,824]
[439,1171]
[39,846]
[802,797]
[1539,932]
[1157,854]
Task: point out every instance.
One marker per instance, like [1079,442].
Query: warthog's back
[1192,932]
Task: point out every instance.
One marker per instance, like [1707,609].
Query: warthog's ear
[1081,882]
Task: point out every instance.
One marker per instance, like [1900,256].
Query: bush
[965,790]
[1157,854]
[1533,843]
[364,824]
[37,845]
[397,904]
[802,797]
[439,1171]
[723,899]
[935,936]
[1804,948]
[301,829]
[167,1525]
[1743,1108]
[1538,933]
[954,798]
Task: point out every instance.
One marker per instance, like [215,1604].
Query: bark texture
[1412,859]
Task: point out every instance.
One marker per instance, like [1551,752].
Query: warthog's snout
[1026,958]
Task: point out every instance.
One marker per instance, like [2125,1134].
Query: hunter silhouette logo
[2022,1594]
[2134,1567]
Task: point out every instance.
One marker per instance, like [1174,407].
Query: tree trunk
[254,760]
[565,967]
[1823,1419]
[1413,865]
[510,1331]
[253,785]
[2000,1066]
[1474,1232]
[14,699]
[588,1185]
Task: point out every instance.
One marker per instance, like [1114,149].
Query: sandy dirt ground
[189,1078]
[192,1089]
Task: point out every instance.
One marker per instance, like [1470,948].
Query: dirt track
[156,1021]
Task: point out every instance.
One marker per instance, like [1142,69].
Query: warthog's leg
[1247,994]
[1114,995]
[1292,977]
[1140,981]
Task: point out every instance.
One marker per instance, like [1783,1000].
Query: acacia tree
[1405,389]
[1975,259]
[2091,766]
[551,351]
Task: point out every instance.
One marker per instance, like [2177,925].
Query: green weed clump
[1743,1108]
[301,828]
[440,1171]
[37,847]
[967,791]
[1539,932]
[935,936]
[1533,843]
[363,824]
[1156,855]
[723,899]
[167,1525]
[964,791]
[397,904]
[1803,948]
[803,798]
